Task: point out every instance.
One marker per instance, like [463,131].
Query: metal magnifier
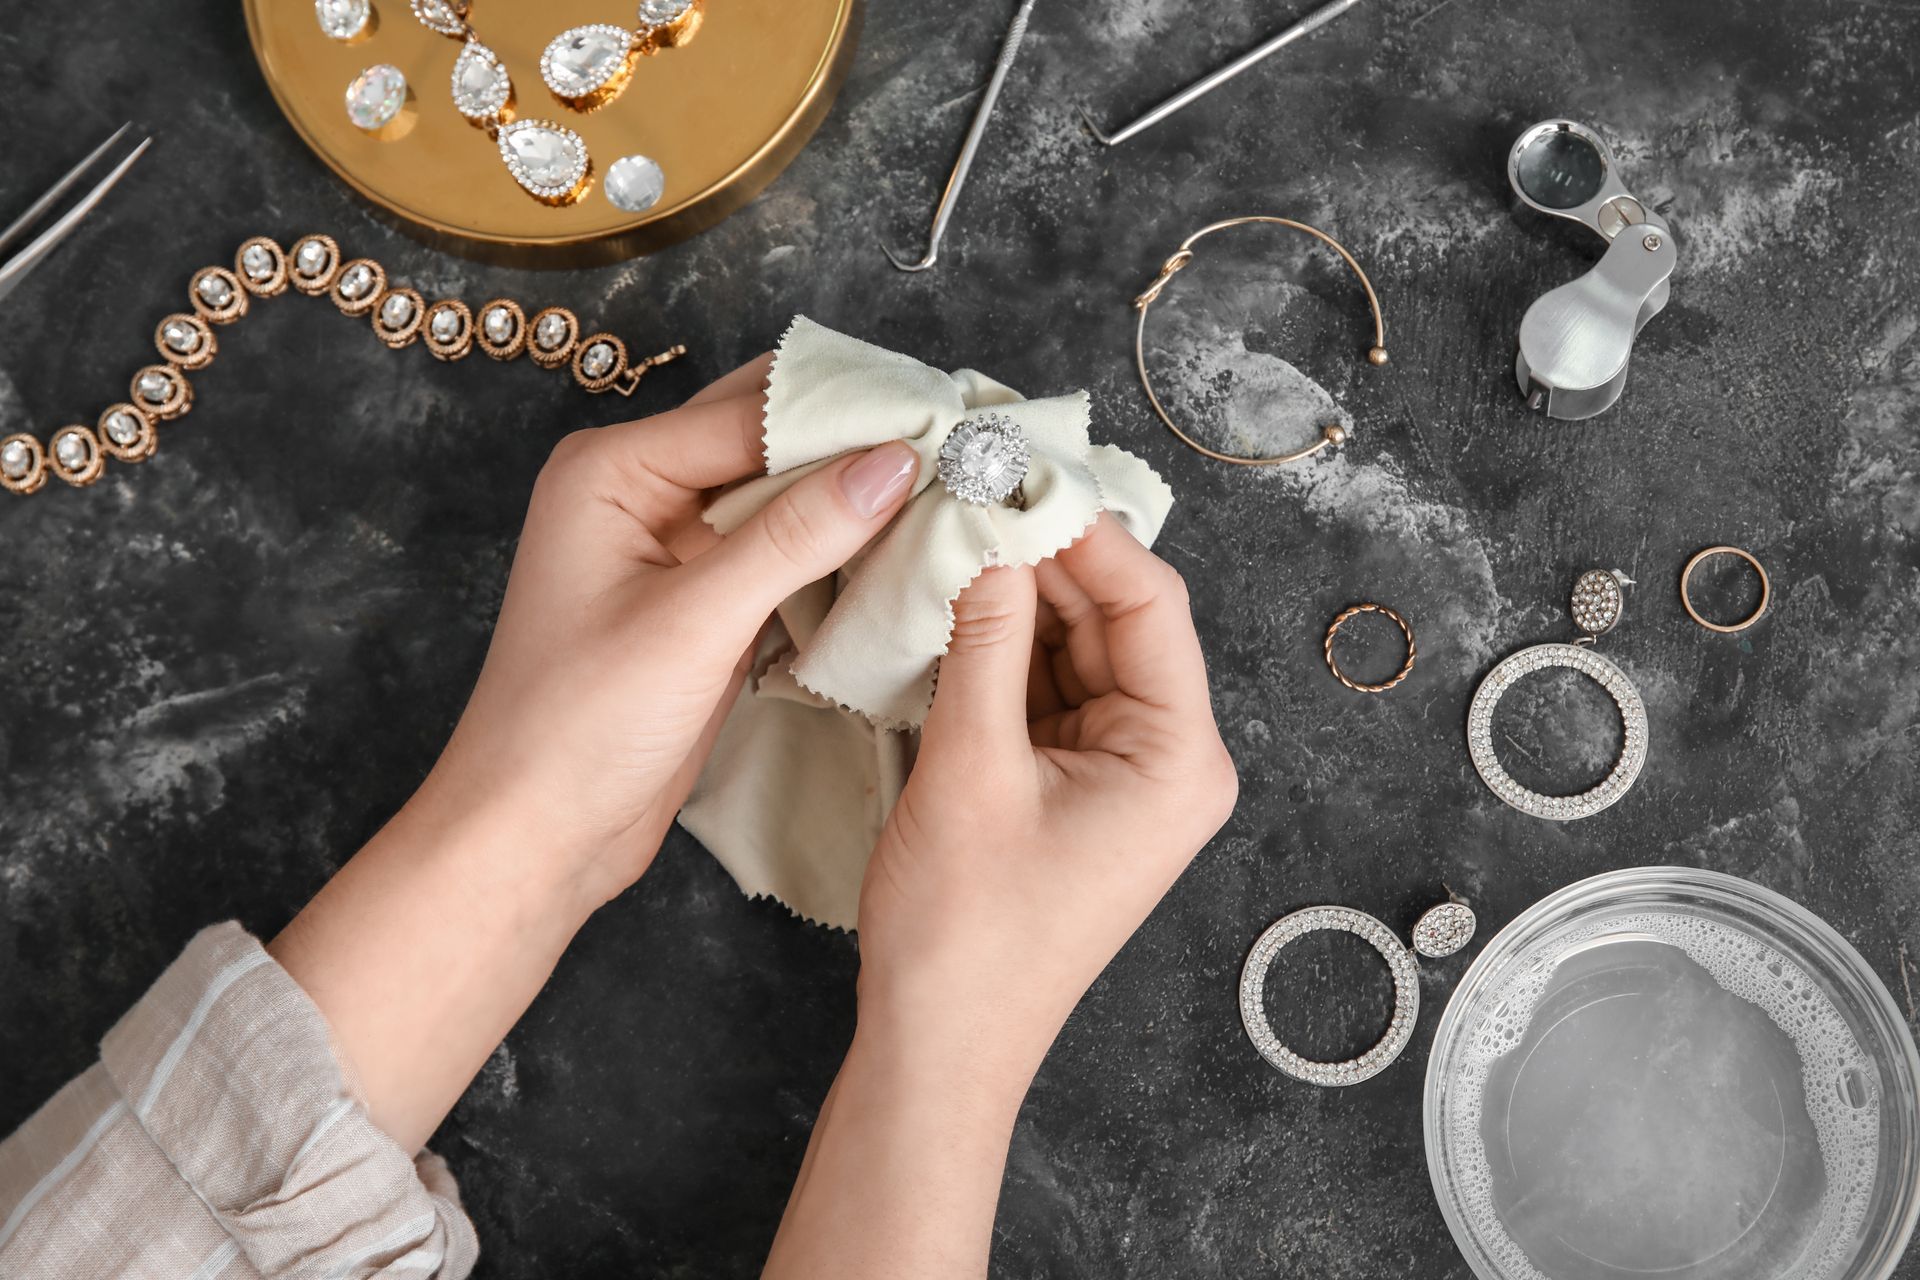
[1575,341]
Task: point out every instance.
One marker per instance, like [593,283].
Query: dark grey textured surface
[226,667]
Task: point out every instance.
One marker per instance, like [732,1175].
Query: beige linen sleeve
[218,1137]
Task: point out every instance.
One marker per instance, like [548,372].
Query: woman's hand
[627,623]
[618,652]
[1069,771]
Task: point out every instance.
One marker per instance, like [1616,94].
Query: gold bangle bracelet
[126,430]
[1334,433]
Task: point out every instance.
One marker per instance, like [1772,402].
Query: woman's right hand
[1068,772]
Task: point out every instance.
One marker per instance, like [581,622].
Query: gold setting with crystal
[501,348]
[459,342]
[162,391]
[77,454]
[93,462]
[358,286]
[551,355]
[398,335]
[32,470]
[145,438]
[319,279]
[588,348]
[197,352]
[261,284]
[217,295]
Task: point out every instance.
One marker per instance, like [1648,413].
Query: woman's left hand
[627,624]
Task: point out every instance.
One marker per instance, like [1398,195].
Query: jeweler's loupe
[1575,341]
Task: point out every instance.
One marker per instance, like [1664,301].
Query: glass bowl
[1674,1073]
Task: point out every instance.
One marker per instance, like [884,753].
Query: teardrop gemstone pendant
[548,160]
[588,67]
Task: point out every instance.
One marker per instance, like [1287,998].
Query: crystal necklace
[127,431]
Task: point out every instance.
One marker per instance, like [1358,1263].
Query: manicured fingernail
[876,481]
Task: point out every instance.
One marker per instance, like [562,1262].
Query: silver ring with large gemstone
[983,460]
[1442,931]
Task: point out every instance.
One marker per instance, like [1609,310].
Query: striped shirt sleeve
[218,1137]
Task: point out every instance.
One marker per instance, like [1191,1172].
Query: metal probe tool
[1202,87]
[943,214]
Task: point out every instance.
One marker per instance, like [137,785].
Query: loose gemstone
[257,262]
[481,85]
[445,325]
[545,158]
[658,13]
[585,59]
[342,19]
[376,96]
[499,326]
[122,428]
[15,459]
[635,183]
[180,336]
[71,448]
[598,362]
[155,387]
[215,291]
[354,284]
[550,333]
[396,311]
[311,257]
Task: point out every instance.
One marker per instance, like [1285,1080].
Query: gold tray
[723,115]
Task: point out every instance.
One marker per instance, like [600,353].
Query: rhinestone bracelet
[161,392]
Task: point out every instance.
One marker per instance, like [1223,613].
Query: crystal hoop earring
[1333,433]
[1440,932]
[1597,605]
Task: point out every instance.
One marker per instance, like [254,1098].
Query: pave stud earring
[1441,932]
[1597,605]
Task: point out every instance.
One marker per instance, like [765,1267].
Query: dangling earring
[548,160]
[589,66]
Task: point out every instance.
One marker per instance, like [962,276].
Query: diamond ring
[983,460]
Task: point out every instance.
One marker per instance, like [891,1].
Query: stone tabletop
[223,669]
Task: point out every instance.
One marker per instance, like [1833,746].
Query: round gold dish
[722,115]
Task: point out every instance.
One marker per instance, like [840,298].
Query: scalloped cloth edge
[816,750]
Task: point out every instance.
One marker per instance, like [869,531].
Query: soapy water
[1838,1093]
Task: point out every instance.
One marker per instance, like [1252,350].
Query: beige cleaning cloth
[814,754]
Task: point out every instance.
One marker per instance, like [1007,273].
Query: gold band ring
[1686,601]
[1332,434]
[1356,610]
